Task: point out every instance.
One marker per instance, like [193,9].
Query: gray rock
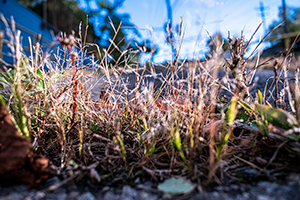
[13,196]
[56,195]
[198,196]
[264,197]
[263,190]
[215,194]
[246,195]
[143,195]
[105,189]
[62,196]
[111,196]
[129,193]
[39,195]
[73,195]
[86,196]
[166,196]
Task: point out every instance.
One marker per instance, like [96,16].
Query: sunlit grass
[78,115]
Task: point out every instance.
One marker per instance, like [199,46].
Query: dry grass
[179,125]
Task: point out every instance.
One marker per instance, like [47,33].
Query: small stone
[198,196]
[62,196]
[219,188]
[148,184]
[73,195]
[264,197]
[234,187]
[293,178]
[246,195]
[129,193]
[267,187]
[111,196]
[13,196]
[72,187]
[39,195]
[86,196]
[167,196]
[146,196]
[237,197]
[105,189]
[137,180]
[215,194]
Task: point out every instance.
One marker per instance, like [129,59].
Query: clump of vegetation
[178,122]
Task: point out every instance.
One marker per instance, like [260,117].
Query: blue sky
[149,16]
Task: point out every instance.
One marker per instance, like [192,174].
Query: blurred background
[153,26]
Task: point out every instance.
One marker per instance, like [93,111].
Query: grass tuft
[181,118]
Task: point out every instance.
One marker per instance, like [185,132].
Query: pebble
[264,197]
[129,193]
[14,196]
[39,195]
[73,194]
[146,196]
[105,189]
[62,196]
[86,196]
[263,190]
[111,196]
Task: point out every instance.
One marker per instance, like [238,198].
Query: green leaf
[232,111]
[176,186]
[153,149]
[277,117]
[72,163]
[245,106]
[3,80]
[2,100]
[40,85]
[263,128]
[260,97]
[118,139]
[39,73]
[24,61]
[243,116]
[8,77]
[95,126]
[293,136]
[178,142]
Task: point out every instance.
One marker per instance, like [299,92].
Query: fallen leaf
[176,186]
[17,162]
[14,148]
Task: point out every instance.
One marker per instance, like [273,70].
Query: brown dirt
[17,162]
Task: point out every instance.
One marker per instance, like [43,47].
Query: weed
[137,120]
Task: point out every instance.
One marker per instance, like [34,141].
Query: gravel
[262,190]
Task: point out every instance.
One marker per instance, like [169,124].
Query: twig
[57,185]
[249,163]
[276,84]
[276,152]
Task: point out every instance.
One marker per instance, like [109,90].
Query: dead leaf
[176,186]
[17,162]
